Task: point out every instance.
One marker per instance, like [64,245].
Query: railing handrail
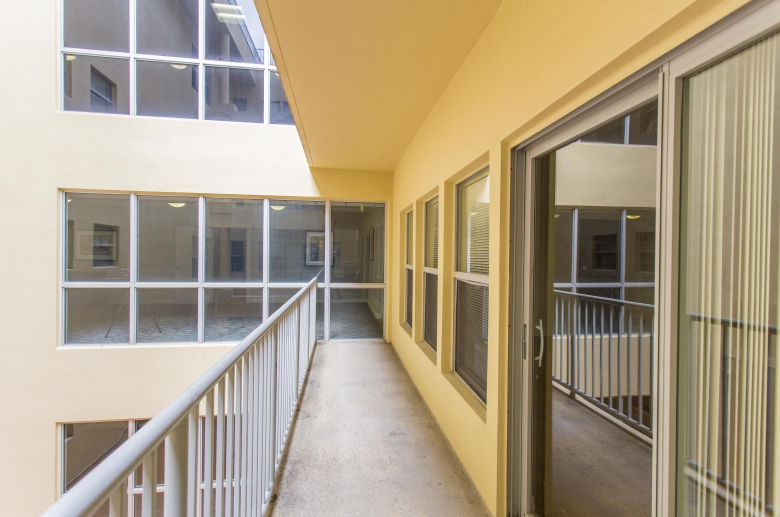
[731,322]
[89,493]
[607,300]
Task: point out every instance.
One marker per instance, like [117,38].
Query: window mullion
[133,326]
[132,72]
[266,254]
[201,57]
[201,268]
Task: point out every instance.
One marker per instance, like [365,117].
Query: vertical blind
[471,334]
[730,251]
[473,224]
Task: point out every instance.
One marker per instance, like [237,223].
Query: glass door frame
[664,77]
[522,350]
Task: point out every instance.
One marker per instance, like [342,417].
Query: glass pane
[640,294]
[643,125]
[232,314]
[598,246]
[601,292]
[96,316]
[297,246]
[167,316]
[610,133]
[432,233]
[278,297]
[97,242]
[96,84]
[356,313]
[167,89]
[319,332]
[357,229]
[167,239]
[234,94]
[410,238]
[280,108]
[87,445]
[167,28]
[474,224]
[97,24]
[234,240]
[729,287]
[408,303]
[234,32]
[563,245]
[471,335]
[431,310]
[139,472]
[640,245]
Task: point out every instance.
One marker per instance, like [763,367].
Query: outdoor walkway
[365,444]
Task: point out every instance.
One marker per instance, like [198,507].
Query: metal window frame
[134,57]
[201,284]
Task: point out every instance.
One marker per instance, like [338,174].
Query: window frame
[133,284]
[133,57]
[472,278]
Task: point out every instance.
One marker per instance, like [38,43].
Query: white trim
[472,277]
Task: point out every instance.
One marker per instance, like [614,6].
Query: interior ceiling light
[557,216]
[69,200]
[277,207]
[178,66]
[632,217]
[70,57]
[177,205]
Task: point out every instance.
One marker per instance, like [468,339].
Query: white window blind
[730,250]
[409,238]
[471,335]
[473,224]
[432,233]
[430,330]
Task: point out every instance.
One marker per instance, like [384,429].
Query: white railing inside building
[221,440]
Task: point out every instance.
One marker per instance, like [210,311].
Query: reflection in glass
[95,316]
[319,332]
[640,294]
[640,127]
[86,445]
[598,243]
[234,94]
[471,335]
[167,315]
[96,24]
[232,314]
[96,84]
[234,32]
[409,238]
[728,402]
[563,245]
[297,241]
[234,240]
[97,242]
[167,239]
[640,245]
[278,297]
[139,472]
[474,224]
[167,89]
[356,313]
[167,28]
[280,108]
[358,242]
[432,233]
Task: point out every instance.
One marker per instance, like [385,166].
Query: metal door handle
[541,343]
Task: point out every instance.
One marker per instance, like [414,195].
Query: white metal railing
[227,431]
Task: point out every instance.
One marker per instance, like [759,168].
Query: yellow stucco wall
[535,62]
[43,151]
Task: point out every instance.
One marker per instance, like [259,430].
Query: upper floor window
[163,58]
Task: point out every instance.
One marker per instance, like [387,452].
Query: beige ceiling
[362,75]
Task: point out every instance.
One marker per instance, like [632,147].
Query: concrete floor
[365,444]
[598,469]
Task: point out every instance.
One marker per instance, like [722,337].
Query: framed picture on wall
[315,248]
[96,245]
[371,244]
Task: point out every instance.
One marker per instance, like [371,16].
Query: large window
[198,59]
[185,269]
[431,274]
[471,282]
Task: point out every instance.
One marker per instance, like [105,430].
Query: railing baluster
[639,368]
[593,350]
[244,433]
[238,441]
[208,454]
[176,469]
[117,503]
[220,477]
[149,486]
[611,320]
[192,462]
[629,368]
[257,491]
[620,363]
[229,442]
[250,417]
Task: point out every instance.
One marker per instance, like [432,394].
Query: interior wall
[45,151]
[534,63]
